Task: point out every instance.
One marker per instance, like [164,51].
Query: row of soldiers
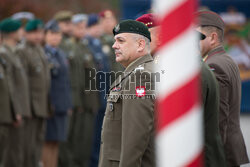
[46,114]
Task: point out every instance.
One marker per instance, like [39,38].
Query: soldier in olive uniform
[35,64]
[85,102]
[18,87]
[108,21]
[6,118]
[128,127]
[150,20]
[64,21]
[214,153]
[226,71]
[24,17]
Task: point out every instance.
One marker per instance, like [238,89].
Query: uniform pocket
[114,108]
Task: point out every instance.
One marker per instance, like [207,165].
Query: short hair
[218,31]
[147,41]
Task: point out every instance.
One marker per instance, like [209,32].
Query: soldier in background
[14,101]
[64,21]
[150,20]
[35,64]
[59,95]
[86,103]
[24,17]
[211,26]
[102,64]
[108,22]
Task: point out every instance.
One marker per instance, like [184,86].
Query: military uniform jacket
[80,62]
[228,77]
[214,151]
[36,67]
[128,128]
[60,93]
[14,79]
[5,103]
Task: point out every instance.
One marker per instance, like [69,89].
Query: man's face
[108,24]
[16,35]
[53,38]
[125,48]
[79,30]
[95,30]
[65,27]
[205,44]
[155,41]
[35,37]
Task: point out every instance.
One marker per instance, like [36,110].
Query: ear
[214,38]
[141,45]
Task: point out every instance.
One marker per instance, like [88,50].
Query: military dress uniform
[214,152]
[7,113]
[86,104]
[19,84]
[128,126]
[35,64]
[228,77]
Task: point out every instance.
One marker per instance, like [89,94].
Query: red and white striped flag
[179,140]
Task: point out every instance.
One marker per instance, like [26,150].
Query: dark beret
[9,25]
[132,26]
[52,25]
[92,20]
[33,25]
[209,18]
[149,20]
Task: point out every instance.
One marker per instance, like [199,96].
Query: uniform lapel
[131,68]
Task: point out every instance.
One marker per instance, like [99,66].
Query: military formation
[60,108]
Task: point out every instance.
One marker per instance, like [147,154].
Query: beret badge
[117,27]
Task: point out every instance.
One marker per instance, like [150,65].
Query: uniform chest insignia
[212,69]
[116,89]
[139,68]
[140,91]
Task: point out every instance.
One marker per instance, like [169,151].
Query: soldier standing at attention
[211,26]
[108,22]
[35,64]
[59,95]
[86,103]
[150,20]
[64,22]
[14,101]
[128,126]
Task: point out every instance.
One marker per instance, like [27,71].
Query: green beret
[9,25]
[33,25]
[63,15]
[132,26]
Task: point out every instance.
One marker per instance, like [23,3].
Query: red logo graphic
[140,91]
